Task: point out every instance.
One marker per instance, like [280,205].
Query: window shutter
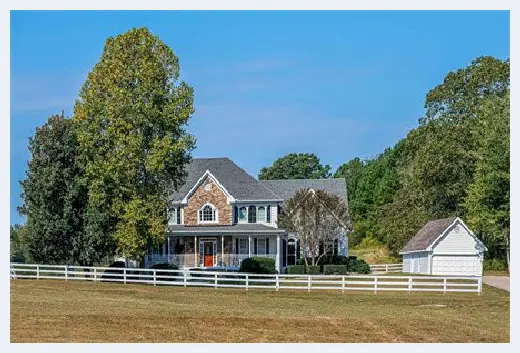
[267,245]
[268,213]
[255,242]
[178,215]
[236,246]
[236,215]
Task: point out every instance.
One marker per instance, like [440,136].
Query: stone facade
[208,192]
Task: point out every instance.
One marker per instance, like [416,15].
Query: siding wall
[457,240]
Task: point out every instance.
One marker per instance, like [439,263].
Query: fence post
[154,278]
[247,282]
[409,284]
[95,274]
[185,278]
[66,273]
[37,271]
[124,275]
[386,267]
[277,282]
[309,284]
[444,287]
[342,284]
[479,285]
[375,284]
[215,280]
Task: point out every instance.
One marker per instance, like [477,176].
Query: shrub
[258,265]
[335,269]
[495,265]
[359,266]
[116,270]
[296,270]
[313,270]
[165,266]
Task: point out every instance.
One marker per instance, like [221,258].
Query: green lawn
[77,311]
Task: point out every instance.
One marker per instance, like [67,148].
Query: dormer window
[251,214]
[242,214]
[261,214]
[208,214]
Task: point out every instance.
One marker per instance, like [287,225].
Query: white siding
[274,214]
[416,262]
[457,240]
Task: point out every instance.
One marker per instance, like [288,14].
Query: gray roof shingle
[427,234]
[235,180]
[285,189]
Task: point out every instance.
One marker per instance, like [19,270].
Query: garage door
[456,265]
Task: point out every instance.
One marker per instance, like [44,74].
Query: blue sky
[341,84]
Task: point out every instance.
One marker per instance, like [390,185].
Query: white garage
[444,247]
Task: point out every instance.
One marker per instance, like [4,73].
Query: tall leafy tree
[18,243]
[130,119]
[488,201]
[296,166]
[54,200]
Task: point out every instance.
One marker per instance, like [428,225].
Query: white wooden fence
[386,268]
[243,280]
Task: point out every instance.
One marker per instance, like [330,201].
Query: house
[222,215]
[444,247]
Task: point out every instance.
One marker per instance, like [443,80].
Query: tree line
[454,163]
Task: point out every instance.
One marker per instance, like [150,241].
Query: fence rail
[199,278]
[386,268]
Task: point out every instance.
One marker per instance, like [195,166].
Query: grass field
[59,311]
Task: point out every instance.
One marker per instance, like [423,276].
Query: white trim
[413,251]
[253,201]
[230,198]
[432,245]
[215,210]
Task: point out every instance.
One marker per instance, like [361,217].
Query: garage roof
[428,234]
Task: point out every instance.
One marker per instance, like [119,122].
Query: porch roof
[235,229]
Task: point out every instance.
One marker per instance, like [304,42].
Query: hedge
[313,270]
[296,270]
[359,266]
[166,266]
[335,269]
[495,265]
[258,265]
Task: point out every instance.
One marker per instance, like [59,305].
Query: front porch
[223,251]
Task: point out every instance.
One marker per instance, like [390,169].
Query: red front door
[208,254]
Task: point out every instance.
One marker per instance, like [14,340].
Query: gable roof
[427,235]
[234,179]
[286,189]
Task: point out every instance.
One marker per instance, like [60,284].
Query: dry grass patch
[59,311]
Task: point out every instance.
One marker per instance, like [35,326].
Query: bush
[313,270]
[296,270]
[359,266]
[335,269]
[495,265]
[258,265]
[116,272]
[166,267]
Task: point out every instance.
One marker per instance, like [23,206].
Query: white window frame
[202,221]
[246,249]
[170,212]
[264,220]
[238,215]
[258,246]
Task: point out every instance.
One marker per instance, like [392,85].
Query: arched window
[261,214]
[251,214]
[242,214]
[172,216]
[208,214]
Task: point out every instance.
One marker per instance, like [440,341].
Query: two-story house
[222,215]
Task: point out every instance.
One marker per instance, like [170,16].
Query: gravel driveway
[500,282]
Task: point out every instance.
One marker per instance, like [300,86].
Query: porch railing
[189,260]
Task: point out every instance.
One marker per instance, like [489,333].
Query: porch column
[249,245]
[222,260]
[278,253]
[195,250]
